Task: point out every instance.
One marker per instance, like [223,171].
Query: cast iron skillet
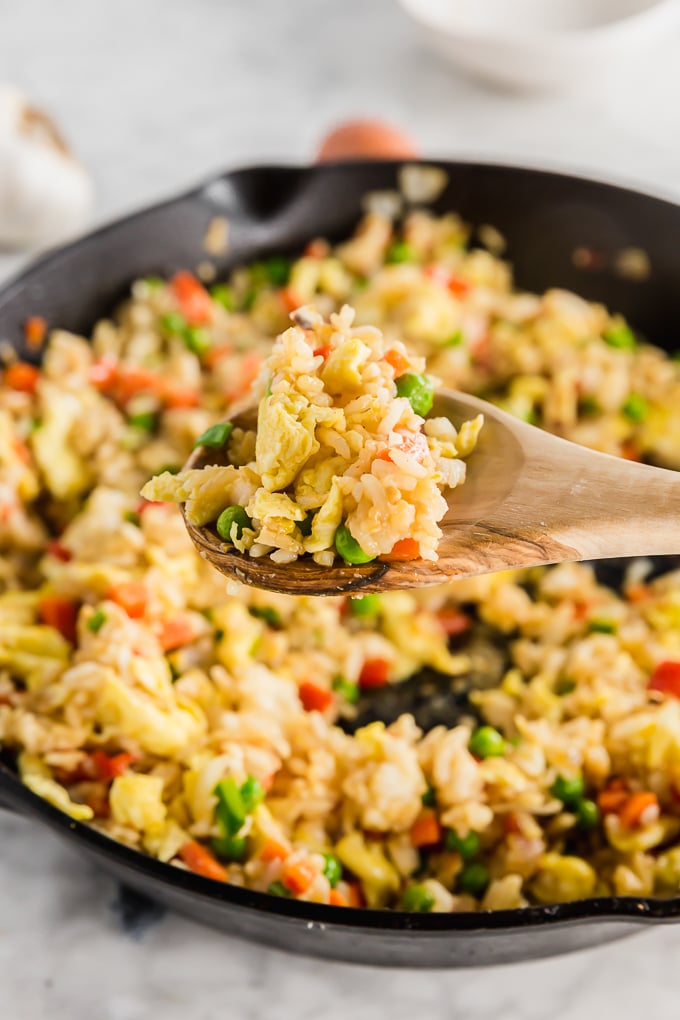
[545,217]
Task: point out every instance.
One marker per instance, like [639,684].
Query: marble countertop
[154,96]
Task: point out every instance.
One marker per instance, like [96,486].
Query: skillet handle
[8,798]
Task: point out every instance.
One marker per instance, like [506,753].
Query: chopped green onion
[277,270]
[268,614]
[223,295]
[466,846]
[588,405]
[400,251]
[332,869]
[146,420]
[635,408]
[474,879]
[455,340]
[132,517]
[531,416]
[417,899]
[587,814]
[602,626]
[153,282]
[216,436]
[429,798]
[347,690]
[621,337]
[305,526]
[173,323]
[349,548]
[230,848]
[418,390]
[568,789]
[364,606]
[230,811]
[36,423]
[564,686]
[233,515]
[486,742]
[278,889]
[171,469]
[96,621]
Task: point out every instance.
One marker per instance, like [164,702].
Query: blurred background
[152,95]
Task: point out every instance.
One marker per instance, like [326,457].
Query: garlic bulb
[45,193]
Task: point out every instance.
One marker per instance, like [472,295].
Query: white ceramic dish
[554,44]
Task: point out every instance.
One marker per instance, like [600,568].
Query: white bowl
[555,44]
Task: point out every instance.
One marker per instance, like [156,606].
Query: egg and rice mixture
[196,724]
[341,461]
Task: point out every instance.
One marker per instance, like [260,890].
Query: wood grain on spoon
[530,498]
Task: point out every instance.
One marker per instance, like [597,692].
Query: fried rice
[210,726]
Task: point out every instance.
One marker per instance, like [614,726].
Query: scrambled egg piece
[137,800]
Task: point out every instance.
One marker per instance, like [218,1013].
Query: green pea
[564,686]
[233,515]
[365,606]
[587,814]
[96,621]
[346,689]
[486,742]
[332,869]
[252,793]
[474,879]
[621,337]
[216,436]
[568,789]
[230,848]
[466,846]
[602,626]
[146,421]
[635,408]
[429,798]
[277,270]
[349,548]
[173,323]
[268,614]
[197,340]
[417,899]
[400,251]
[223,295]
[278,889]
[418,390]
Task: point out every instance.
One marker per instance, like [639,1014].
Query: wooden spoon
[530,498]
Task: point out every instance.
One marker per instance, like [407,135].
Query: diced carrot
[317,249]
[630,451]
[131,596]
[399,362]
[108,767]
[638,592]
[453,621]
[666,679]
[374,673]
[144,505]
[103,373]
[97,798]
[35,330]
[22,376]
[59,551]
[289,299]
[200,860]
[511,825]
[336,899]
[180,396]
[60,613]
[21,450]
[313,698]
[459,286]
[216,354]
[299,876]
[403,550]
[355,897]
[323,352]
[612,797]
[639,809]
[175,632]
[274,851]
[426,830]
[192,298]
[580,609]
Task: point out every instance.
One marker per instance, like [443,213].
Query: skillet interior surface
[545,218]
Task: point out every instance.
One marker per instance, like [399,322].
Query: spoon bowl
[530,498]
